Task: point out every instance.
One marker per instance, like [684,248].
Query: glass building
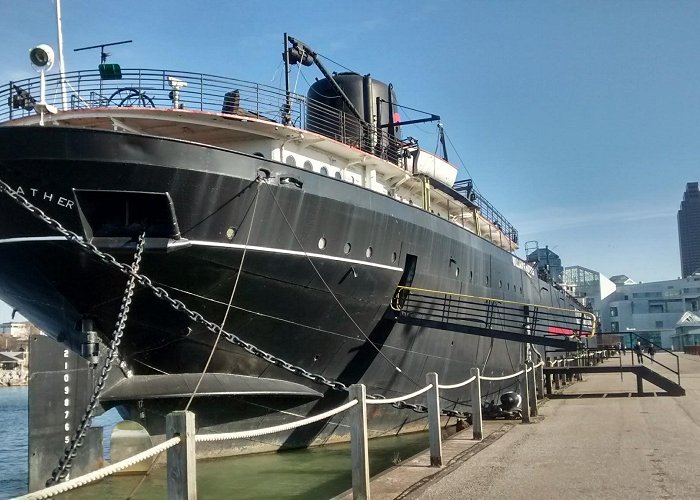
[689,230]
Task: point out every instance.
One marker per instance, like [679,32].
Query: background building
[651,310]
[548,263]
[15,335]
[689,230]
[621,279]
[687,331]
[588,286]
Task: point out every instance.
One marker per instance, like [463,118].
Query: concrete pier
[598,440]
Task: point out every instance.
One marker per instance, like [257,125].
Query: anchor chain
[163,294]
[64,464]
[418,408]
[193,315]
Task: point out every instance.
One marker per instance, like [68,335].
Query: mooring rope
[230,301]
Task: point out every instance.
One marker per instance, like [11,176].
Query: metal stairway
[642,372]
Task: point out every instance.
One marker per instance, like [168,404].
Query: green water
[317,473]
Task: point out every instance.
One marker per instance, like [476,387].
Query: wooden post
[531,388]
[182,465]
[548,380]
[433,404]
[477,424]
[640,386]
[579,375]
[358,445]
[557,377]
[539,380]
[525,395]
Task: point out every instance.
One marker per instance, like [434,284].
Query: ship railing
[170,89]
[491,313]
[187,91]
[181,437]
[466,188]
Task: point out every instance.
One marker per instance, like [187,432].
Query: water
[316,473]
[13,441]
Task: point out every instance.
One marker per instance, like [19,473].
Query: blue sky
[578,120]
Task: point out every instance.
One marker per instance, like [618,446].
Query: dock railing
[645,342]
[582,357]
[181,438]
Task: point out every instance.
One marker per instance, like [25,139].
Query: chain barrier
[61,472]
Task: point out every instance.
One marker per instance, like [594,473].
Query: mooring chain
[64,464]
[418,408]
[163,294]
[181,307]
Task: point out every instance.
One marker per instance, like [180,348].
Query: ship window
[368,252]
[500,284]
[394,256]
[324,170]
[457,272]
[291,161]
[322,243]
[508,286]
[338,176]
[487,280]
[308,165]
[346,248]
[471,276]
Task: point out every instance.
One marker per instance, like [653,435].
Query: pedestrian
[640,353]
[651,351]
[624,349]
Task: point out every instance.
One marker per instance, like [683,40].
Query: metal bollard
[433,404]
[477,423]
[525,395]
[182,465]
[358,444]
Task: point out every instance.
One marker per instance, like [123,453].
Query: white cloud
[558,218]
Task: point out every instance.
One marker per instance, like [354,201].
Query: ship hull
[298,264]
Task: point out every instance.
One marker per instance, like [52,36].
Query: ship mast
[61,66]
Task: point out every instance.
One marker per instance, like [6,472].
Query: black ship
[329,248]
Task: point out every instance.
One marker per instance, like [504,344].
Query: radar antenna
[103,55]
[107,71]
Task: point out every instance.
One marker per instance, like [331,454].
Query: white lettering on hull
[61,201]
